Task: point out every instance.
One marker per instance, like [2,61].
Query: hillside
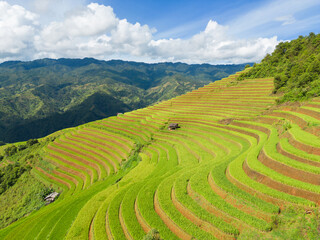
[46,95]
[295,65]
[238,167]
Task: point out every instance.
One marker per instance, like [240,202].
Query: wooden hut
[51,197]
[173,126]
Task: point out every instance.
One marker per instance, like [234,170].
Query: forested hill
[295,65]
[43,96]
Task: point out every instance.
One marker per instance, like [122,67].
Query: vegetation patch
[293,223]
[295,66]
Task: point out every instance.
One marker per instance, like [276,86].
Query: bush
[22,147]
[153,235]
[9,151]
[10,174]
[280,81]
[31,142]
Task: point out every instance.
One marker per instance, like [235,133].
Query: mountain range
[46,95]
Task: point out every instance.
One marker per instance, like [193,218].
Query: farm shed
[173,126]
[51,197]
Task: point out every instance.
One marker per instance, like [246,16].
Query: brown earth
[102,142]
[314,197]
[53,177]
[108,229]
[295,119]
[255,193]
[251,126]
[123,224]
[167,136]
[297,158]
[83,168]
[309,112]
[145,226]
[81,140]
[202,224]
[304,147]
[205,204]
[229,198]
[91,233]
[169,223]
[84,161]
[62,175]
[124,130]
[69,170]
[106,138]
[291,172]
[88,155]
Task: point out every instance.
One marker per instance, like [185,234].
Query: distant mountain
[43,96]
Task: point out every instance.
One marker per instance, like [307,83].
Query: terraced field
[236,161]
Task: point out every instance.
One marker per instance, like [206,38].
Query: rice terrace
[234,164]
[147,126]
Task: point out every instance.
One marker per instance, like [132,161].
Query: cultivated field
[234,164]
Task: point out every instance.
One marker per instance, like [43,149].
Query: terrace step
[280,186]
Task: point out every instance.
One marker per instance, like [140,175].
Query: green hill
[295,65]
[43,96]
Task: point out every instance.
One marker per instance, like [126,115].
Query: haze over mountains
[43,96]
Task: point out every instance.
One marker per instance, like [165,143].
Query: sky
[202,31]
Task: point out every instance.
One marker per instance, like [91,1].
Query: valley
[56,94]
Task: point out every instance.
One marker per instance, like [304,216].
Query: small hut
[173,126]
[51,197]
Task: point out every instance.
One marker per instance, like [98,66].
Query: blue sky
[184,18]
[202,31]
[179,18]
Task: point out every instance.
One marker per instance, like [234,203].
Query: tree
[31,142]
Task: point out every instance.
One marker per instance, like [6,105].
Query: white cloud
[95,31]
[17,28]
[286,20]
[92,31]
[214,45]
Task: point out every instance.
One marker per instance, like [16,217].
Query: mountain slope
[56,94]
[236,161]
[295,65]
